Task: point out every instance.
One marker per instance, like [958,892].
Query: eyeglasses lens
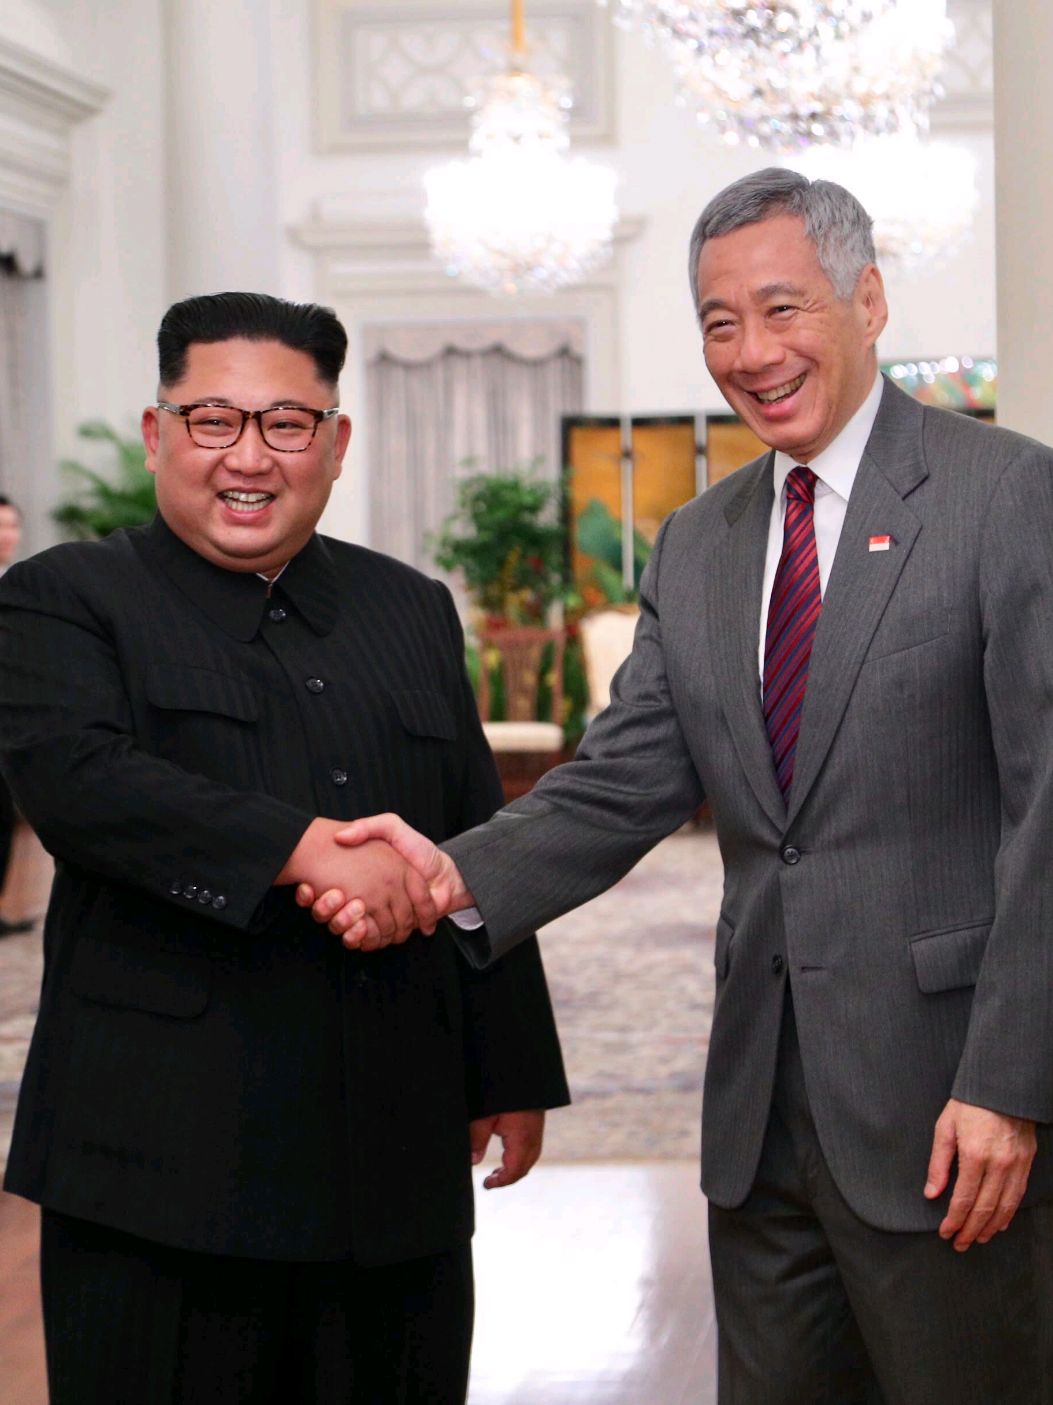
[215,427]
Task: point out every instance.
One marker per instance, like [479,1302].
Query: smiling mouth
[246,503]
[781,392]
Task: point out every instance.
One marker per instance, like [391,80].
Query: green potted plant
[125,498]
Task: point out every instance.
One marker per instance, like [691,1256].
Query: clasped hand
[388,896]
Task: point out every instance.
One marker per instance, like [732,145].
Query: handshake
[374,881]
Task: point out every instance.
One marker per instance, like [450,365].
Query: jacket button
[219,902]
[204,896]
[791,855]
[776,965]
[277,614]
[338,777]
[190,891]
[314,685]
[176,887]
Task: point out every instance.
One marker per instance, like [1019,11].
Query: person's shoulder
[88,561]
[715,502]
[361,563]
[967,441]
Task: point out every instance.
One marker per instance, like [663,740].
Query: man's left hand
[521,1133]
[994,1153]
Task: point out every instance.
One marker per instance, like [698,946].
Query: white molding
[40,103]
[368,61]
[968,73]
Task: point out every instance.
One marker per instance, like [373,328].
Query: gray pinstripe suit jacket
[906,892]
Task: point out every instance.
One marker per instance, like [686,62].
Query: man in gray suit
[847,646]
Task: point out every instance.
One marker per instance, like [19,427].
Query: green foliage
[124,498]
[600,536]
[506,536]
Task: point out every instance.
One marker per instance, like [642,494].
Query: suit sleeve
[1007,1062]
[512,1055]
[585,824]
[94,796]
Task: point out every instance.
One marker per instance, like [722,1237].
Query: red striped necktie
[793,613]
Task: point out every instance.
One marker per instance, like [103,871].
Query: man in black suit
[252,1147]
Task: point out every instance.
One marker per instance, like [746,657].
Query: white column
[222,198]
[1023,62]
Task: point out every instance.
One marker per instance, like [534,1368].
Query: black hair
[5,501]
[301,326]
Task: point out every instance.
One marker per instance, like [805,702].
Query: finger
[304,895]
[966,1189]
[371,827]
[944,1145]
[521,1151]
[427,915]
[983,1208]
[353,936]
[331,901]
[1009,1203]
[359,931]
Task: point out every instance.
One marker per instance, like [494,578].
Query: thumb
[372,827]
[944,1146]
[481,1132]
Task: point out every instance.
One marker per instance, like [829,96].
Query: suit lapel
[735,625]
[861,581]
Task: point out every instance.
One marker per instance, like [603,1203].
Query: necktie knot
[800,484]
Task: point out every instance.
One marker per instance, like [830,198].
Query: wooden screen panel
[729,445]
[663,470]
[594,456]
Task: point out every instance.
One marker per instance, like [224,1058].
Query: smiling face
[791,359]
[250,507]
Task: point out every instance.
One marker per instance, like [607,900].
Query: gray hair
[834,221]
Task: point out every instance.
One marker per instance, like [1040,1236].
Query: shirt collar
[836,467]
[235,600]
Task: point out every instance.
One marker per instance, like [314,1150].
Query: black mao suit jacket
[210,1069]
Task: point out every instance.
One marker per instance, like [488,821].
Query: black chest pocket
[204,721]
[423,771]
[425,714]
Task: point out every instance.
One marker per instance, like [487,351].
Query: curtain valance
[531,339]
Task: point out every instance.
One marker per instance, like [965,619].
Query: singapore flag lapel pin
[880,543]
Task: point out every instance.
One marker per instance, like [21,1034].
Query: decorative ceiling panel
[397,76]
[968,73]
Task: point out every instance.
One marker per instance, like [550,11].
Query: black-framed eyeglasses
[287,428]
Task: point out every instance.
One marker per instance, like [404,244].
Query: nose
[250,454]
[759,347]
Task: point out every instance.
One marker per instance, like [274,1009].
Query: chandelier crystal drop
[790,74]
[520,216]
[922,196]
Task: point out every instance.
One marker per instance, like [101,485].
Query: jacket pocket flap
[159,982]
[722,953]
[949,960]
[180,688]
[425,714]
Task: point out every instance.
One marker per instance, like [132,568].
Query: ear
[871,303]
[151,431]
[340,443]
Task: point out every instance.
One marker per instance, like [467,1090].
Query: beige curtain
[446,401]
[24,436]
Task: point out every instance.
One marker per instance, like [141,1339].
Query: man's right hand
[346,910]
[387,886]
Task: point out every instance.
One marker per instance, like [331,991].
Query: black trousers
[129,1322]
[815,1307]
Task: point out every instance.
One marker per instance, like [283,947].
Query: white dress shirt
[835,470]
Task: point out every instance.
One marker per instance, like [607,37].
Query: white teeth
[246,502]
[769,397]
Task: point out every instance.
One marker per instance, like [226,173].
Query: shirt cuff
[469,919]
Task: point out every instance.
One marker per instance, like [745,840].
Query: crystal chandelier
[789,74]
[921,196]
[520,216]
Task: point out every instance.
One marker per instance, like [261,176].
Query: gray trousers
[814,1307]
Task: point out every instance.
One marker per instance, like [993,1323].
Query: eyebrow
[765,294]
[218,400]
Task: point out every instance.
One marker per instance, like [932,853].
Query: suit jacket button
[204,896]
[219,902]
[338,777]
[791,855]
[176,887]
[776,965]
[314,685]
[277,614]
[190,891]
